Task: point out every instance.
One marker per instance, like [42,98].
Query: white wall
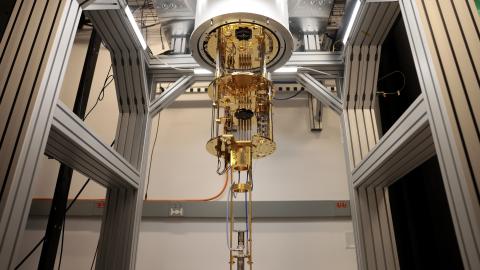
[306,166]
[276,245]
[201,244]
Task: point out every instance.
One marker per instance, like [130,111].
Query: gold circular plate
[235,48]
[235,86]
[262,146]
[218,142]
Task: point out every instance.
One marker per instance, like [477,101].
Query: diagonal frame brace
[320,92]
[172,93]
[72,143]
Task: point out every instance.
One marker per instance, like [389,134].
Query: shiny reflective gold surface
[241,53]
[241,124]
[261,146]
[241,187]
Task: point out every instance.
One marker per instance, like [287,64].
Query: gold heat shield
[244,46]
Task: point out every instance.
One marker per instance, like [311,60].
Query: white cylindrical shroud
[272,14]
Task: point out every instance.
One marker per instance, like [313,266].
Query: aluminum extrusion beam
[122,216]
[320,92]
[172,93]
[72,143]
[167,67]
[407,140]
[445,43]
[325,60]
[361,134]
[407,144]
[34,53]
[101,4]
[214,209]
[362,63]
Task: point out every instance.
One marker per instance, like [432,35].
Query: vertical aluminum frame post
[37,43]
[121,222]
[359,124]
[445,41]
[443,121]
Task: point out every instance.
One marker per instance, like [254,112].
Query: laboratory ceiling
[175,18]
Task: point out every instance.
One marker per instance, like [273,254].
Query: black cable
[151,154]
[101,95]
[66,210]
[63,229]
[151,157]
[94,257]
[78,194]
[290,97]
[399,90]
[150,25]
[30,253]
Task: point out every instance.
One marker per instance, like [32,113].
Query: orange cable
[199,200]
[216,196]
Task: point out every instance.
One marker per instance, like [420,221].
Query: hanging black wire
[398,92]
[101,94]
[151,154]
[66,211]
[100,97]
[43,238]
[290,97]
[151,157]
[94,257]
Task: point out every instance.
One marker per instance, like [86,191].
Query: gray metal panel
[214,209]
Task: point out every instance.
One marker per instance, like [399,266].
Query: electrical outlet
[176,212]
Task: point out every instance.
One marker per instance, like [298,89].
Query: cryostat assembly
[241,42]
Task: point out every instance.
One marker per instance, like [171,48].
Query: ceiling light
[201,71]
[135,27]
[352,20]
[290,69]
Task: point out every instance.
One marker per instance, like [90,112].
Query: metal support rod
[62,188]
[320,92]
